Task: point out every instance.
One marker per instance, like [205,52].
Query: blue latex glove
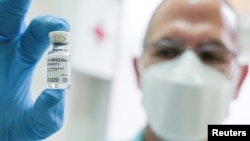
[21,119]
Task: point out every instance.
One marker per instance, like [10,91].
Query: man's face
[209,27]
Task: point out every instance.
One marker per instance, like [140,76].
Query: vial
[58,61]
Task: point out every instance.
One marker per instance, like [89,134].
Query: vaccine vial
[58,61]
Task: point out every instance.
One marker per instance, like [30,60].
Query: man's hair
[226,2]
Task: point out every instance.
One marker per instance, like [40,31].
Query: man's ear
[137,70]
[243,74]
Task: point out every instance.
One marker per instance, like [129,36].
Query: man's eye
[167,53]
[212,57]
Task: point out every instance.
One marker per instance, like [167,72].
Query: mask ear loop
[141,67]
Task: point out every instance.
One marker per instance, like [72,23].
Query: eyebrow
[220,45]
[165,41]
[216,42]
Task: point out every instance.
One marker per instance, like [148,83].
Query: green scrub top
[140,136]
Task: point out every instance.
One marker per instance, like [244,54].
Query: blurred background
[104,103]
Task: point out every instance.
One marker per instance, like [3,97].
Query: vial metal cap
[59,37]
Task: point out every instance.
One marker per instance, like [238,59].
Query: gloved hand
[21,119]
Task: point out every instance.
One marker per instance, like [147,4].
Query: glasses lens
[214,54]
[165,49]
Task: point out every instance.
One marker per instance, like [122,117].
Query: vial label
[58,69]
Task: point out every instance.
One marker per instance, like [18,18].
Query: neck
[150,135]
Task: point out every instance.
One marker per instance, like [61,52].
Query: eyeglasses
[210,53]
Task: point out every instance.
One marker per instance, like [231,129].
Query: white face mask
[183,96]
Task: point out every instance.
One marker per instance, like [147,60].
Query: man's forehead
[194,11]
[190,9]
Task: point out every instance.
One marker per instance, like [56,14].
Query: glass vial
[58,61]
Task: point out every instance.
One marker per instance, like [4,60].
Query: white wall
[86,109]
